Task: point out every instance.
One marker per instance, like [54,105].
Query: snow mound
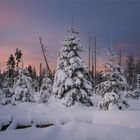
[54,122]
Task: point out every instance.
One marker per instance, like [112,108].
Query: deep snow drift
[75,123]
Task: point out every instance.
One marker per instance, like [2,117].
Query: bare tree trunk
[95,63]
[92,63]
[40,75]
[45,58]
[120,57]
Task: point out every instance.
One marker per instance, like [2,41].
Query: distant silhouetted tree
[10,70]
[18,56]
[138,65]
[130,70]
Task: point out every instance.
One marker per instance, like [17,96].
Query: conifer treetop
[72,40]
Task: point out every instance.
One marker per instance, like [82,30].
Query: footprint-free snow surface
[61,123]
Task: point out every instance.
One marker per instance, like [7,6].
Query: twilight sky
[23,21]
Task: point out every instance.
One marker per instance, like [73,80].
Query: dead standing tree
[92,60]
[95,61]
[48,70]
[45,58]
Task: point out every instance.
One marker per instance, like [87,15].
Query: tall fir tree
[72,84]
[113,88]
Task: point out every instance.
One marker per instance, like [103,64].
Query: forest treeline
[72,82]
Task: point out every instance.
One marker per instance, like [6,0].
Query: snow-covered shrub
[71,83]
[23,90]
[46,88]
[1,96]
[113,101]
[7,96]
[135,94]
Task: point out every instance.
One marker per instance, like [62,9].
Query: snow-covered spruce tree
[46,88]
[71,83]
[23,90]
[7,95]
[33,75]
[113,88]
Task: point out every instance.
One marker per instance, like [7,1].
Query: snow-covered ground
[75,123]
